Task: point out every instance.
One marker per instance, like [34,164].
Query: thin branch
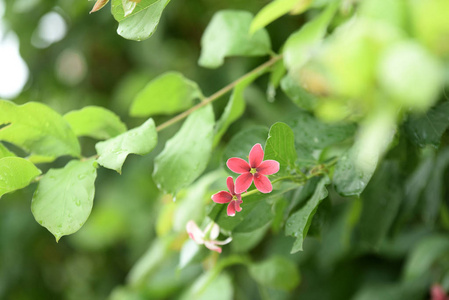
[217,94]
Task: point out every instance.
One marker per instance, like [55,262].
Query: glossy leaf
[37,129]
[235,107]
[228,35]
[280,145]
[64,197]
[427,129]
[96,122]
[118,9]
[16,173]
[299,44]
[297,94]
[186,154]
[380,204]
[141,24]
[113,152]
[167,94]
[298,223]
[276,272]
[4,152]
[275,10]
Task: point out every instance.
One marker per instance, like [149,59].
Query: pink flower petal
[226,241]
[195,232]
[255,156]
[214,232]
[231,209]
[237,205]
[437,292]
[268,167]
[238,165]
[262,183]
[243,182]
[222,197]
[230,184]
[212,246]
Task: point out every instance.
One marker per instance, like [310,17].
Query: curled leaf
[99,5]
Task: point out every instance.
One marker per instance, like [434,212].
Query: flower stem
[217,94]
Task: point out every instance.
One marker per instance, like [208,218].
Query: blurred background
[55,52]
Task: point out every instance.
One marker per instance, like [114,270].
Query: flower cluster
[255,170]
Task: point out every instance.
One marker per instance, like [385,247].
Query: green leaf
[118,10]
[186,154]
[245,241]
[235,107]
[113,152]
[424,255]
[428,128]
[297,94]
[298,223]
[96,122]
[276,272]
[142,24]
[380,205]
[211,285]
[349,177]
[37,129]
[16,173]
[280,145]
[167,94]
[299,45]
[4,152]
[276,9]
[64,197]
[228,35]
[314,134]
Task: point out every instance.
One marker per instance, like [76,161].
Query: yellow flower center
[253,171]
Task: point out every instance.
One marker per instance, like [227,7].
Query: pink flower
[208,237]
[437,293]
[255,170]
[230,197]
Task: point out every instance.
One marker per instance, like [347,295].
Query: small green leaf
[141,24]
[167,94]
[16,173]
[118,11]
[299,44]
[64,197]
[186,155]
[211,285]
[37,129]
[349,177]
[298,223]
[280,145]
[96,122]
[428,128]
[276,272]
[140,140]
[4,152]
[235,107]
[380,205]
[276,9]
[297,94]
[228,35]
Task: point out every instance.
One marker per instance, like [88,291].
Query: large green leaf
[380,204]
[299,45]
[228,35]
[235,107]
[142,25]
[427,129]
[280,145]
[37,129]
[141,140]
[16,173]
[4,152]
[118,10]
[298,223]
[186,155]
[276,272]
[64,197]
[167,94]
[96,122]
[297,94]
